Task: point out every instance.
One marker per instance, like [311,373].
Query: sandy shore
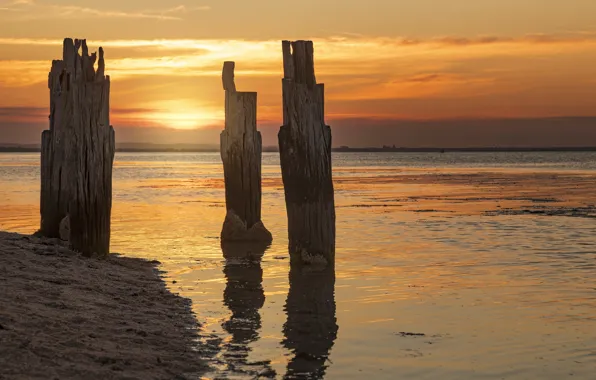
[63,316]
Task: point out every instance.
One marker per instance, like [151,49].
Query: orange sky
[380,60]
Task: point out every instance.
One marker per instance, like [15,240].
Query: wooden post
[241,148]
[78,152]
[305,153]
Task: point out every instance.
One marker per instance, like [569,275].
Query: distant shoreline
[16,149]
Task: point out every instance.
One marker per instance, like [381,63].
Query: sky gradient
[402,66]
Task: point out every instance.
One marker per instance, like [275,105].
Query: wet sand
[63,316]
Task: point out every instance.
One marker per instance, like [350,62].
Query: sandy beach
[64,316]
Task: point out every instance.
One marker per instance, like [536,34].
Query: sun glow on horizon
[175,114]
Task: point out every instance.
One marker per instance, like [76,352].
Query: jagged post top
[299,66]
[227,76]
[80,65]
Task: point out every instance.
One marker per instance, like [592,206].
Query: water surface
[451,266]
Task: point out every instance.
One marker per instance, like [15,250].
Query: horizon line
[213,148]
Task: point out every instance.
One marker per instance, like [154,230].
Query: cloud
[175,114]
[22,73]
[424,78]
[176,82]
[353,42]
[21,10]
[334,56]
[18,112]
[36,112]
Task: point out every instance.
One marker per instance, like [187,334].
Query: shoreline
[64,316]
[343,149]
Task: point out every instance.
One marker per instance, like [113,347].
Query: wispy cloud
[353,42]
[21,111]
[335,56]
[424,78]
[20,10]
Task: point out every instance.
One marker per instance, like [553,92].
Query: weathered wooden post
[305,152]
[78,152]
[241,148]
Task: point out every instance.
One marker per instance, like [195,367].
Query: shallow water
[491,256]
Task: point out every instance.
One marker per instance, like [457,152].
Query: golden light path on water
[490,256]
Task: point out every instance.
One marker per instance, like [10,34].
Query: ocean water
[451,266]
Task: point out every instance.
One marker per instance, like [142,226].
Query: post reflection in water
[244,296]
[311,326]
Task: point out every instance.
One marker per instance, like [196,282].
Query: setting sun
[176,114]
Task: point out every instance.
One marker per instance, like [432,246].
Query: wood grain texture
[241,147]
[305,153]
[78,151]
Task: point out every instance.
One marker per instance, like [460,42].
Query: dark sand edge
[64,316]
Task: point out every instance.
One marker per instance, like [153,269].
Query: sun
[183,119]
[176,115]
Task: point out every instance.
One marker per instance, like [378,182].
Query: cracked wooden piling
[78,151]
[241,148]
[305,153]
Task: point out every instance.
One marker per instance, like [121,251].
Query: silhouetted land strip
[471,149]
[66,316]
[174,149]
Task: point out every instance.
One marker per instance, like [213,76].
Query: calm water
[492,257]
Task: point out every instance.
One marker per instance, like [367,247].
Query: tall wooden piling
[78,152]
[305,152]
[241,148]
